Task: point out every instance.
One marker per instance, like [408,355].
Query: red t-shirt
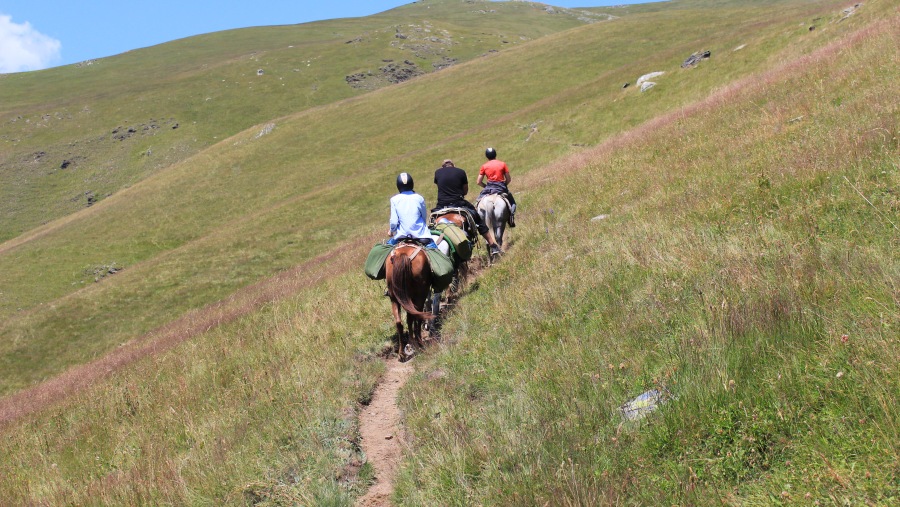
[495,170]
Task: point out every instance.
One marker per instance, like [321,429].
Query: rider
[497,180]
[453,185]
[409,219]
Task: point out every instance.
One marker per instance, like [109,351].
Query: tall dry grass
[259,409]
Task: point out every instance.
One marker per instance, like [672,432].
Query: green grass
[209,225]
[262,408]
[766,302]
[208,86]
[752,224]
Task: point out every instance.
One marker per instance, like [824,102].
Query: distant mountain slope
[74,135]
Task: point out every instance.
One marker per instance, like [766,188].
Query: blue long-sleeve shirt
[408,216]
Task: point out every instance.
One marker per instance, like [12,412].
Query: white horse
[494,210]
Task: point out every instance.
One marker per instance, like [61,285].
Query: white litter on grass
[267,128]
[849,11]
[644,81]
[647,402]
[599,218]
[648,77]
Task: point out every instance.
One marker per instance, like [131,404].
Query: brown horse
[458,219]
[408,277]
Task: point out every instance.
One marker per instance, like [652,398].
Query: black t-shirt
[451,183]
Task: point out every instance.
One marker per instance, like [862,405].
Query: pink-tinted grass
[242,302]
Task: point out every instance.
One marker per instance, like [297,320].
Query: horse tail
[399,283]
[489,219]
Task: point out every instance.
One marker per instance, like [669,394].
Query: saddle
[503,195]
[409,242]
[442,267]
[469,227]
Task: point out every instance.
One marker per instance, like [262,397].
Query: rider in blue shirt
[409,218]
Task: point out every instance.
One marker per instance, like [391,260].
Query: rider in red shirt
[498,178]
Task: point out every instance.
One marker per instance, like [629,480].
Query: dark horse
[408,277]
[457,217]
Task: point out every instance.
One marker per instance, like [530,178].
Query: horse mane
[402,278]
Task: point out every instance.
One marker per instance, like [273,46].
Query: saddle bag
[375,261]
[456,237]
[442,268]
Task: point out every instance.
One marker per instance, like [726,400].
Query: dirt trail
[382,438]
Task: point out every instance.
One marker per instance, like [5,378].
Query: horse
[494,210]
[408,277]
[458,217]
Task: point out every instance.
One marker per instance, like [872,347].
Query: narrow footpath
[382,437]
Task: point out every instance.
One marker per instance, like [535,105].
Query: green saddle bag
[375,261]
[442,268]
[459,242]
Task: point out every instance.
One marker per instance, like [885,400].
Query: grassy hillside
[752,226]
[74,135]
[200,229]
[748,269]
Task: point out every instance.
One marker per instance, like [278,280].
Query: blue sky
[36,34]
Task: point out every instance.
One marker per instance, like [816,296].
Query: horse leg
[414,329]
[501,215]
[435,310]
[432,306]
[490,220]
[401,341]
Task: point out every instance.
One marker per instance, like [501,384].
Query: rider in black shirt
[453,185]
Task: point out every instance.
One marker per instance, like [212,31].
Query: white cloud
[24,48]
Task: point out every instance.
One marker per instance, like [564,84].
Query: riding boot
[512,216]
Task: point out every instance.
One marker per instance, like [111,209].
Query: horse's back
[418,261]
[493,205]
[456,219]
